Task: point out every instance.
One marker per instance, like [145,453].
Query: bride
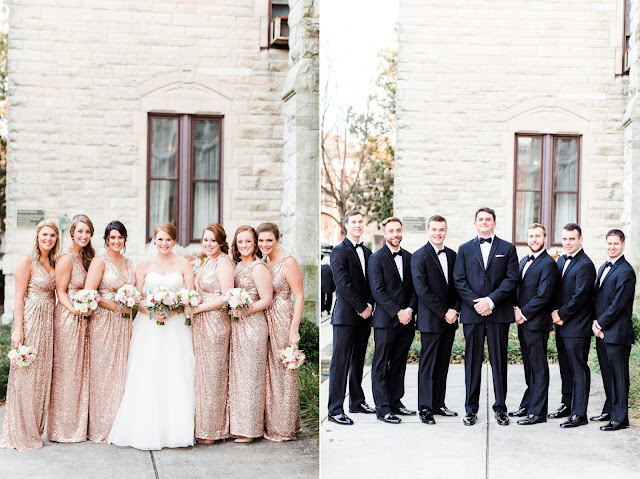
[157,409]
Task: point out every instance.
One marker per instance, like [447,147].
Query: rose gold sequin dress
[248,364]
[28,387]
[211,331]
[282,412]
[69,406]
[109,336]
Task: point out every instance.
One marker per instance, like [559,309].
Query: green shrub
[309,388]
[309,340]
[5,346]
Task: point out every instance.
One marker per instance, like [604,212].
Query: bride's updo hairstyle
[219,234]
[119,227]
[168,228]
[235,254]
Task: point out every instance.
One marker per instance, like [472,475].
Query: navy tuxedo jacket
[390,293]
[536,292]
[614,302]
[498,281]
[352,287]
[435,296]
[575,296]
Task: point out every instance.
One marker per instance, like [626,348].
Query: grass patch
[309,376]
[5,346]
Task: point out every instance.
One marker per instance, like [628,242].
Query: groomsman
[615,287]
[438,306]
[393,325]
[535,300]
[486,276]
[573,320]
[351,321]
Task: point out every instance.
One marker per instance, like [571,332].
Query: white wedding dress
[157,408]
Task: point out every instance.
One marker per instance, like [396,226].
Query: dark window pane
[279,10]
[206,150]
[163,202]
[564,211]
[205,206]
[164,148]
[527,212]
[529,163]
[566,165]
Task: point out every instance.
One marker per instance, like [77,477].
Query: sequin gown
[211,331]
[69,405]
[248,364]
[282,411]
[28,387]
[109,336]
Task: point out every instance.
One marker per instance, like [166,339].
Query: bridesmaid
[248,352]
[109,333]
[69,406]
[28,387]
[211,330]
[282,413]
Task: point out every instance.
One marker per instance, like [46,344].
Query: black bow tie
[441,251]
[531,258]
[566,257]
[608,264]
[397,253]
[485,240]
[358,245]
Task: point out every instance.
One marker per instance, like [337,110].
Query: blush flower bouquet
[22,356]
[237,298]
[161,300]
[129,297]
[292,357]
[188,299]
[86,300]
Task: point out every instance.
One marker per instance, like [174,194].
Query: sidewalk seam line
[153,462]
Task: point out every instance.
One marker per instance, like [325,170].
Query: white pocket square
[499,256]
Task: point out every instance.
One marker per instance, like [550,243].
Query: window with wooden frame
[184,173]
[626,50]
[547,184]
[279,24]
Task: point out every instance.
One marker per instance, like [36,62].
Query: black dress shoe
[426,416]
[562,411]
[532,419]
[502,418]
[390,418]
[602,417]
[575,421]
[341,419]
[363,407]
[443,411]
[522,412]
[615,426]
[403,411]
[470,419]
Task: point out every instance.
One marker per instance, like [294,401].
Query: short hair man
[351,321]
[535,299]
[615,289]
[393,325]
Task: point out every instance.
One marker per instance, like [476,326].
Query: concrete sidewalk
[261,459]
[371,448]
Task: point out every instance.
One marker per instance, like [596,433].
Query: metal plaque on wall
[30,218]
[414,224]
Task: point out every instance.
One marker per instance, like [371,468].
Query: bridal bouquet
[161,300]
[292,358]
[85,300]
[22,356]
[237,298]
[129,297]
[189,299]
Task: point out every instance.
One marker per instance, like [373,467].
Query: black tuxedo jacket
[536,292]
[614,302]
[352,287]
[575,296]
[435,296]
[498,281]
[326,279]
[390,293]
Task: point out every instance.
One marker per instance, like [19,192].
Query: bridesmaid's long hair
[119,227]
[269,227]
[53,253]
[235,254]
[219,234]
[87,252]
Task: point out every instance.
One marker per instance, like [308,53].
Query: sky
[352,33]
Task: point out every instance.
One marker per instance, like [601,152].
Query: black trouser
[326,301]
[496,334]
[577,350]
[566,382]
[429,344]
[347,359]
[533,345]
[441,370]
[389,366]
[614,366]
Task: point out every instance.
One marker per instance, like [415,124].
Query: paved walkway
[449,449]
[262,459]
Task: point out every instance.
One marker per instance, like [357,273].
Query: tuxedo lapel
[476,248]
[492,251]
[535,263]
[434,255]
[349,245]
[611,271]
[389,255]
[406,264]
[522,265]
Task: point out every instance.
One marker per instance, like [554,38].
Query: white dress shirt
[485,249]
[530,261]
[607,269]
[360,253]
[398,260]
[568,260]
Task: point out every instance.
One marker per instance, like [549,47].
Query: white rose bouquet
[237,298]
[292,358]
[22,356]
[129,297]
[188,299]
[161,300]
[86,300]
